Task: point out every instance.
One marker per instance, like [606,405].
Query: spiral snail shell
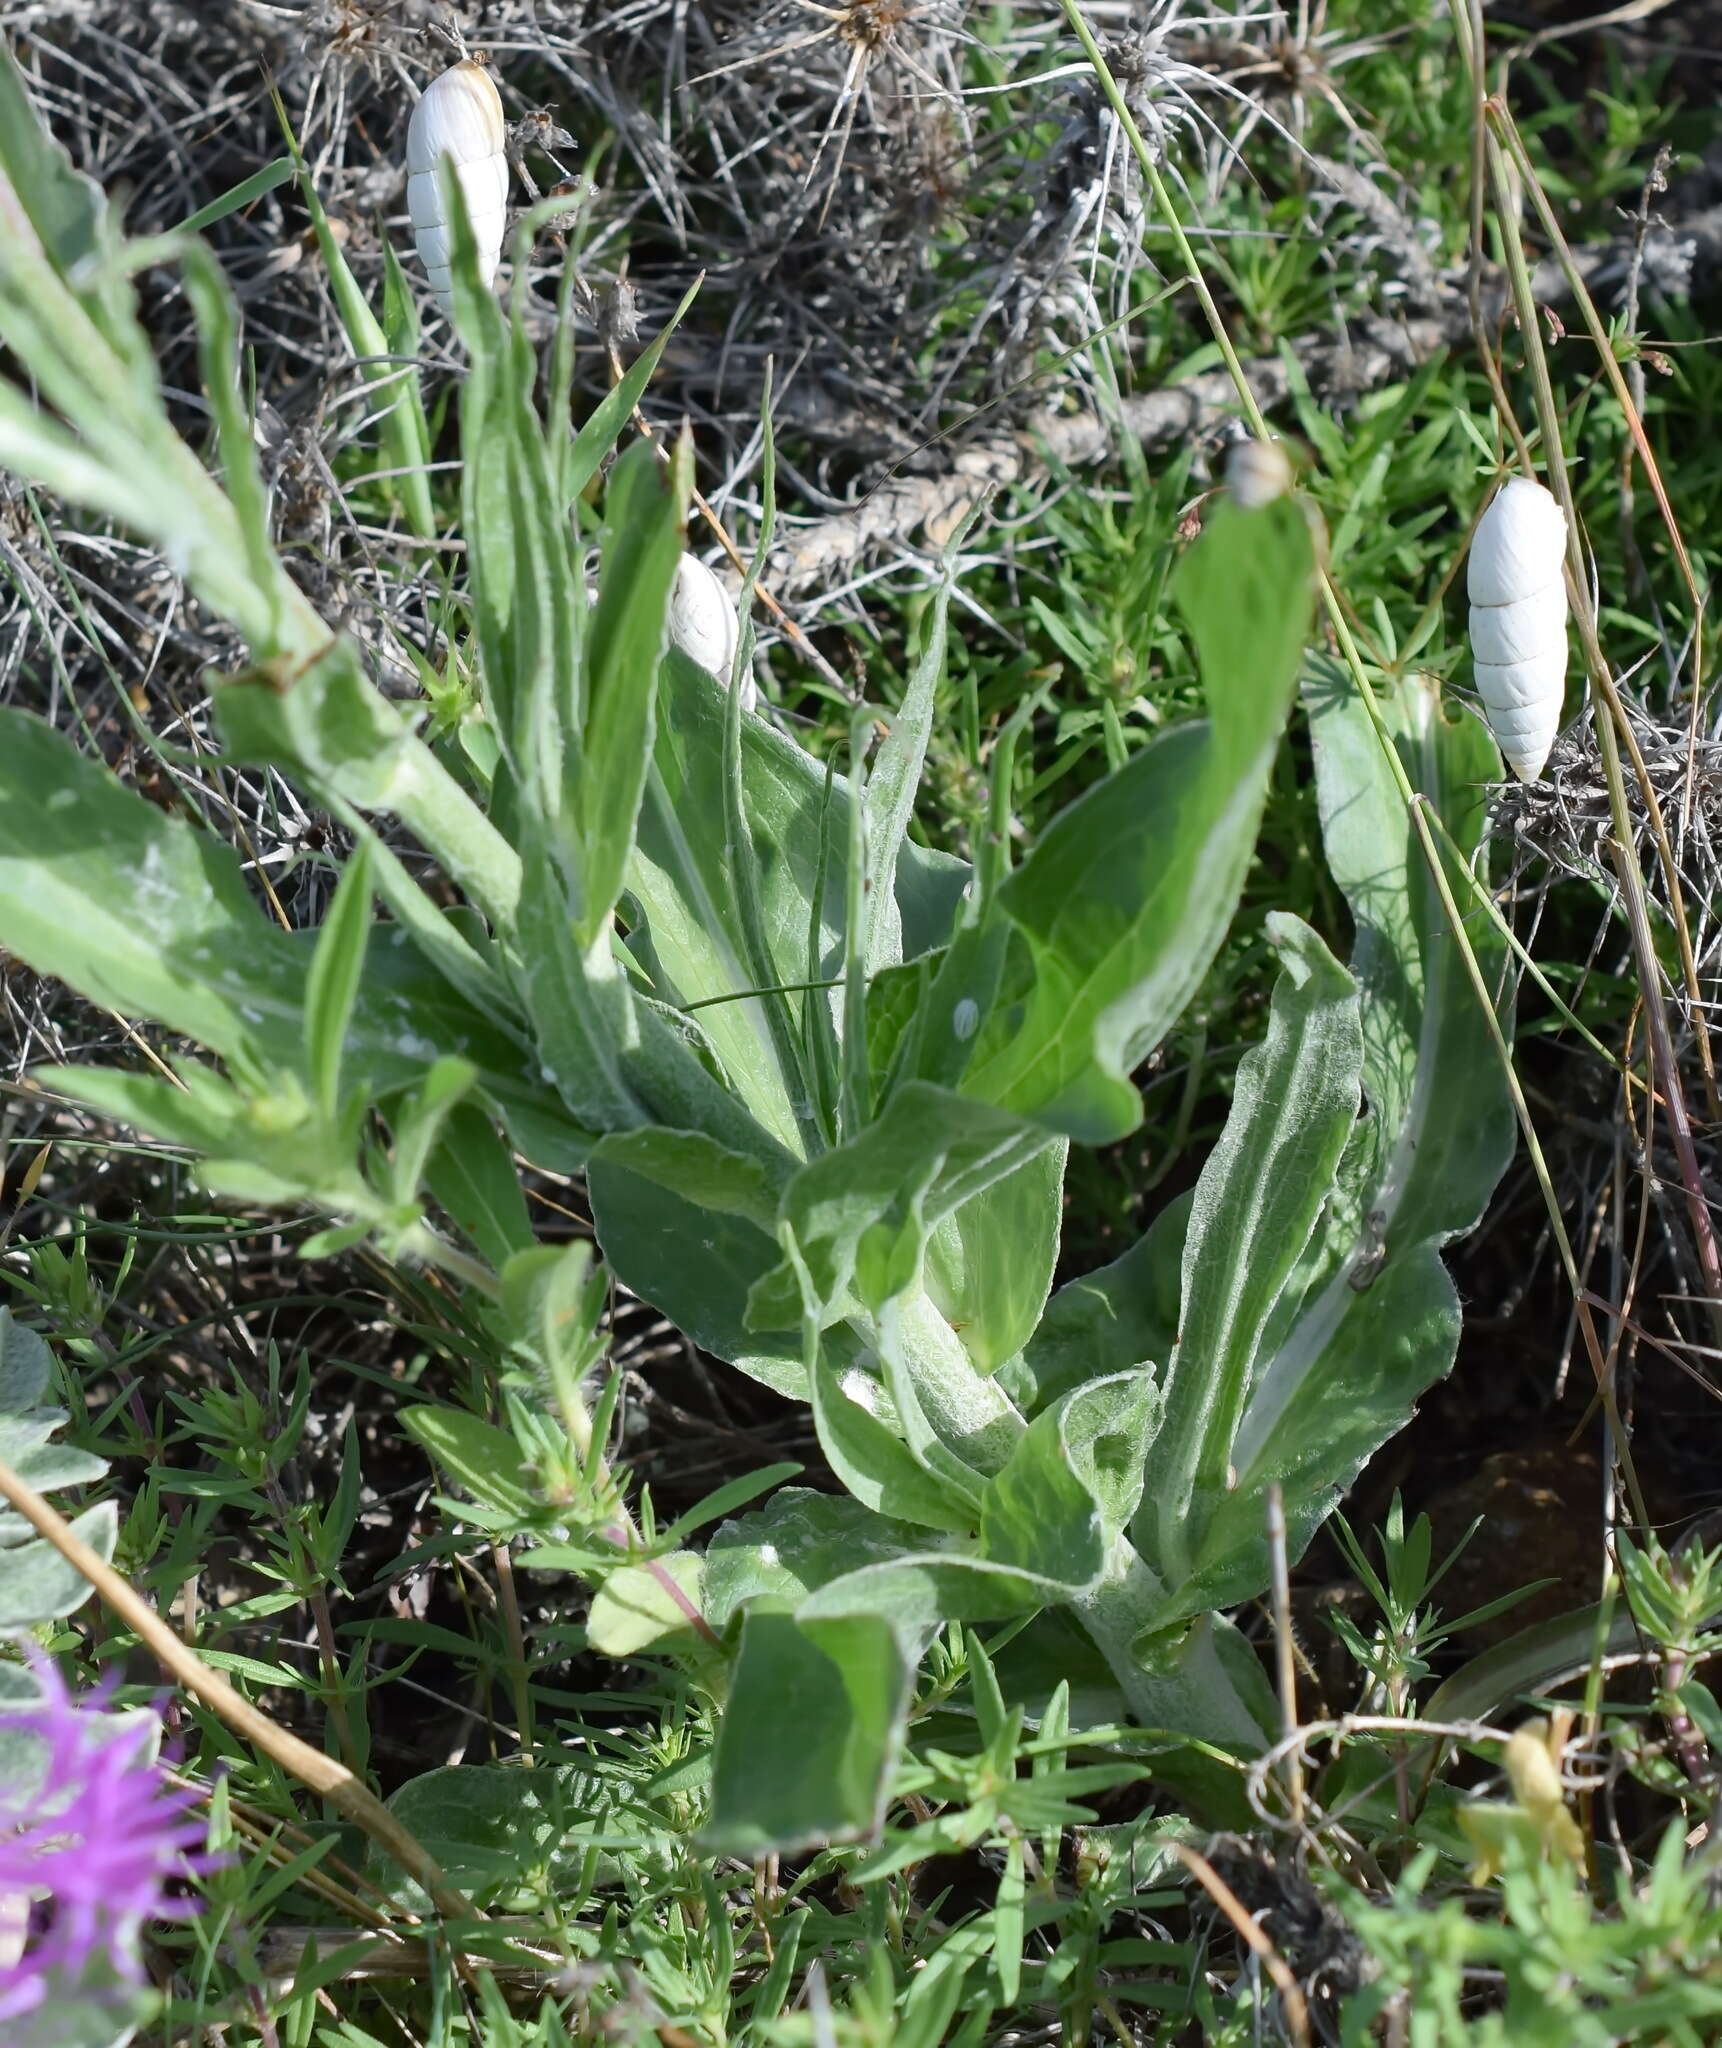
[1519,621]
[458,117]
[705,625]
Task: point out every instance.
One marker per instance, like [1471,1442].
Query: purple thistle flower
[90,1840]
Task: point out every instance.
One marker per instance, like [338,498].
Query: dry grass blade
[311,1766]
[1290,1991]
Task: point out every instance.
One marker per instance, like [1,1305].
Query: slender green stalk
[1608,712]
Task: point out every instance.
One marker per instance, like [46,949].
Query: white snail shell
[459,117]
[1257,472]
[705,625]
[1519,621]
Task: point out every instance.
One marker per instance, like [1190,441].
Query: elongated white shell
[1519,621]
[459,117]
[704,623]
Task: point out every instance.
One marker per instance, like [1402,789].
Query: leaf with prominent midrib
[1257,1202]
[1119,909]
[1377,1320]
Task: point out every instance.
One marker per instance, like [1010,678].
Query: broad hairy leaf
[1117,912]
[1110,1321]
[695,1166]
[695,1265]
[1108,1426]
[799,1541]
[37,1584]
[26,1366]
[494,1827]
[1372,1318]
[990,1262]
[1258,1200]
[873,1461]
[859,1216]
[633,1607]
[1039,1514]
[842,1685]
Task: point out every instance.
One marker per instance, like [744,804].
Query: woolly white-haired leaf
[1519,621]
[459,117]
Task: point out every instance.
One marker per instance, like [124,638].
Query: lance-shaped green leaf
[342,741]
[403,432]
[640,548]
[472,1176]
[135,909]
[687,926]
[485,1460]
[1110,1321]
[142,912]
[890,793]
[67,314]
[609,418]
[577,997]
[1116,914]
[1258,1200]
[990,1262]
[332,983]
[858,1217]
[66,214]
[525,586]
[1377,1319]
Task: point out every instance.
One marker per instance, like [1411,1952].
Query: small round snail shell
[1519,621]
[458,117]
[705,625]
[1257,472]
